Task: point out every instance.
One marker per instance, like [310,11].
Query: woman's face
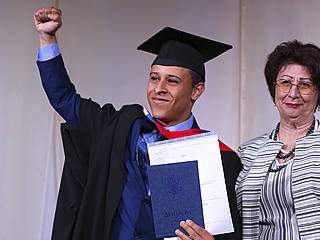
[294,106]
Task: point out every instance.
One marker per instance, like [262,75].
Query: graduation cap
[181,49]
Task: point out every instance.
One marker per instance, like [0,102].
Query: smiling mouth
[159,100]
[291,105]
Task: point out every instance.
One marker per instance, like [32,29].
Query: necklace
[280,165]
[287,154]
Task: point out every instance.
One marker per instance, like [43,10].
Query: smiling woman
[280,180]
[295,96]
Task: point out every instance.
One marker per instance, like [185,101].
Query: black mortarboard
[178,48]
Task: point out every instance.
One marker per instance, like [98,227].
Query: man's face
[170,94]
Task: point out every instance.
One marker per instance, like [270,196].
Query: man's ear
[197,90]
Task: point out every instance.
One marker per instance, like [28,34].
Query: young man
[104,188]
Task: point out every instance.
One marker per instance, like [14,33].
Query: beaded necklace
[287,154]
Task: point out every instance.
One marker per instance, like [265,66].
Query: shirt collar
[186,125]
[182,126]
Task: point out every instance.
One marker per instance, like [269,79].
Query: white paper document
[205,149]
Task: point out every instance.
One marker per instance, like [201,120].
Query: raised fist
[47,20]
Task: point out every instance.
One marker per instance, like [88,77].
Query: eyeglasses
[304,87]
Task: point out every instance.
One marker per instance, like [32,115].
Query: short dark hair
[293,52]
[195,78]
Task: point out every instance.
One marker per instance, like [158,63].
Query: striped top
[297,189]
[277,219]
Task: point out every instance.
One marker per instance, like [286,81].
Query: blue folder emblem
[174,184]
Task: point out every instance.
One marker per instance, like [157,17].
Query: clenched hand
[47,22]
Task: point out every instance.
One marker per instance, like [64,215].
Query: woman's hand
[195,231]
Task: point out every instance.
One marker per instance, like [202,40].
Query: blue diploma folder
[175,196]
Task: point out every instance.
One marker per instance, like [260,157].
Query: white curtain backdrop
[98,42]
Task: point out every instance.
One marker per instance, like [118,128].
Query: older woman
[278,190]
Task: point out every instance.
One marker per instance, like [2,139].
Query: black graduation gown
[92,179]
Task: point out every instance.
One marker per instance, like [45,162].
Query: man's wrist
[47,39]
